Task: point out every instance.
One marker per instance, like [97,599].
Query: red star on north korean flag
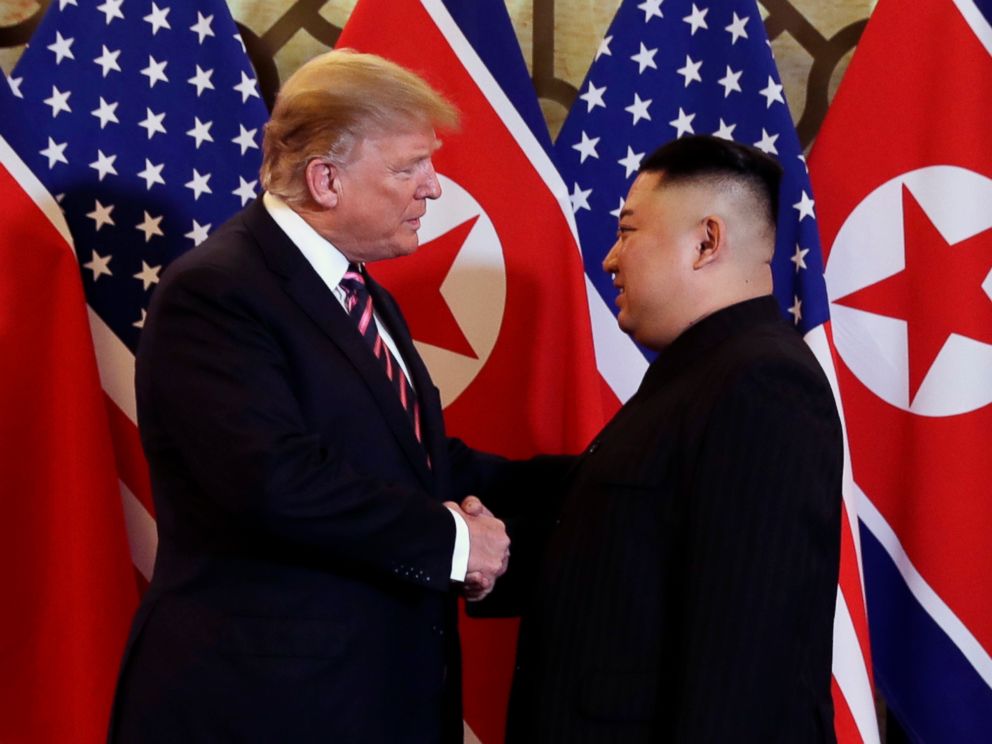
[938,293]
[415,282]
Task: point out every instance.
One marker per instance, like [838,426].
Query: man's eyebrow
[428,152]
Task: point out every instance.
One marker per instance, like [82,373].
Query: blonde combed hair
[333,102]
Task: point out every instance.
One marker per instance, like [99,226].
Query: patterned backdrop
[813,41]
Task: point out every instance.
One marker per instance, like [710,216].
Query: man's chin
[389,250]
[407,247]
[624,323]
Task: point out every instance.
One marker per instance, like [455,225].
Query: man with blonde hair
[307,571]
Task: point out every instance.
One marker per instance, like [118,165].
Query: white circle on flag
[475,288]
[870,248]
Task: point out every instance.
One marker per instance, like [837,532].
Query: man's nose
[610,262]
[431,187]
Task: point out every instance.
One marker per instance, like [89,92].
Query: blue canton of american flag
[668,68]
[146,126]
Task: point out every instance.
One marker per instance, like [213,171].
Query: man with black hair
[688,575]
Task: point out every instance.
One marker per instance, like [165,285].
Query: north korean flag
[902,171]
[496,295]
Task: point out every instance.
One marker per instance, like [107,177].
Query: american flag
[147,125]
[667,68]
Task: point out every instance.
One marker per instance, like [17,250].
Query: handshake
[489,547]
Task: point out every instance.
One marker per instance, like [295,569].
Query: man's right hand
[489,549]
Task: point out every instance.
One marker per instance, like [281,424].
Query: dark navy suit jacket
[301,589]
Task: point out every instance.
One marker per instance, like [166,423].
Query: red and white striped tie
[358,302]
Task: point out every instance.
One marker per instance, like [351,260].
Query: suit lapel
[308,290]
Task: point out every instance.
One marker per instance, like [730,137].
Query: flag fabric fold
[69,586]
[903,177]
[664,70]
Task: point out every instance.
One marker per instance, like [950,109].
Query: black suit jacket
[301,587]
[686,593]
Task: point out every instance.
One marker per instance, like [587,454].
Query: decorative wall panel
[813,41]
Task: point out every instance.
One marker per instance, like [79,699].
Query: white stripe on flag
[116,364]
[816,339]
[849,666]
[142,534]
[621,364]
[978,22]
[851,673]
[945,618]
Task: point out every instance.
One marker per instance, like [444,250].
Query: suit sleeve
[527,496]
[219,409]
[760,552]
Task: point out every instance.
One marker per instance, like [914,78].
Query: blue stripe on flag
[985,6]
[924,677]
[488,28]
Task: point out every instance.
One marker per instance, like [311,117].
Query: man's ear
[321,178]
[713,233]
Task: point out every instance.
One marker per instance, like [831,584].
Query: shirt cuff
[459,559]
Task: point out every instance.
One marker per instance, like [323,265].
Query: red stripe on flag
[850,585]
[844,724]
[131,464]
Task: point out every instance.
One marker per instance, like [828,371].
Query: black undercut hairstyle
[703,157]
